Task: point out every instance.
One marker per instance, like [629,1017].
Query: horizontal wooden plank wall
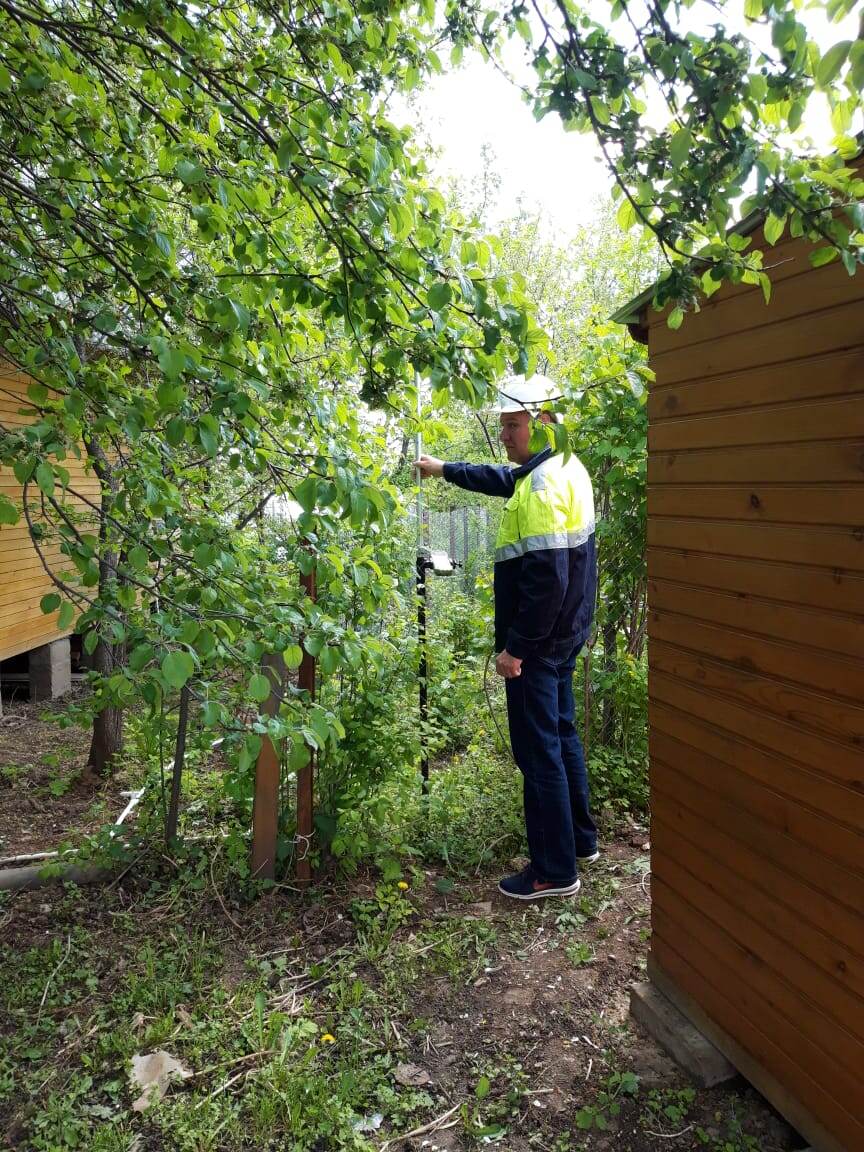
[23,579]
[756,652]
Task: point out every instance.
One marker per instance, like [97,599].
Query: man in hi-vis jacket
[545,587]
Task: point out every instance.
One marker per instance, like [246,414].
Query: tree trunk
[173,817]
[107,739]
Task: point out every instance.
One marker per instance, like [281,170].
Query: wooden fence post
[306,775]
[265,809]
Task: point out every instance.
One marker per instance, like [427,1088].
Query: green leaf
[286,151]
[208,434]
[67,615]
[306,493]
[172,361]
[190,172]
[822,256]
[679,147]
[774,227]
[211,714]
[175,431]
[856,65]
[298,757]
[50,603]
[242,315]
[482,1089]
[676,317]
[293,656]
[259,688]
[45,478]
[831,63]
[439,295]
[177,667]
[138,557]
[140,656]
[626,215]
[8,512]
[313,645]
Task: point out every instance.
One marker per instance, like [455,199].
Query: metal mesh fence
[467,535]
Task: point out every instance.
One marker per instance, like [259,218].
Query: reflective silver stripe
[545,542]
[538,477]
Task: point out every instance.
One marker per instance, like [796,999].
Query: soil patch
[46,794]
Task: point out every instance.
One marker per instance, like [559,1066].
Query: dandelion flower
[402,884]
[328,1039]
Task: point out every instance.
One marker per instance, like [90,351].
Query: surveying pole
[422,568]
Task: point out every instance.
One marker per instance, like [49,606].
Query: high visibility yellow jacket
[545,554]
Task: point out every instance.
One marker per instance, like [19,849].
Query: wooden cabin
[756,682]
[24,628]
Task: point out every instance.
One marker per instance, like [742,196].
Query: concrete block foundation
[50,670]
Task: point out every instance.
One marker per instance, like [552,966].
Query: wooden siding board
[736,1010]
[815,546]
[762,910]
[834,329]
[833,419]
[830,759]
[829,631]
[781,1009]
[841,676]
[834,462]
[800,294]
[810,378]
[816,712]
[779,836]
[840,505]
[803,586]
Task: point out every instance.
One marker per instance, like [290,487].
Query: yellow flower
[402,885]
[328,1039]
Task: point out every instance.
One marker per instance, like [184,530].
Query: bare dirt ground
[46,794]
[512,1019]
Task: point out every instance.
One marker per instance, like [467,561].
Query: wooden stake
[265,809]
[306,776]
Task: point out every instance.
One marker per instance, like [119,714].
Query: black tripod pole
[422,670]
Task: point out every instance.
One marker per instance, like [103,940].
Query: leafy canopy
[691,119]
[214,245]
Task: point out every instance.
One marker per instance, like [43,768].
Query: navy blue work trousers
[549,754]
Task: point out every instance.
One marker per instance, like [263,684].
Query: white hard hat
[516,394]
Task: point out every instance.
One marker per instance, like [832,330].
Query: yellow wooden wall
[23,580]
[756,652]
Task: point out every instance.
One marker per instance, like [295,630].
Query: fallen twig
[432,1126]
[222,1087]
[54,972]
[670,1135]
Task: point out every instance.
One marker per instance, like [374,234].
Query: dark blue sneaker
[524,885]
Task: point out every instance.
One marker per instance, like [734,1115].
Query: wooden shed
[24,628]
[756,683]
